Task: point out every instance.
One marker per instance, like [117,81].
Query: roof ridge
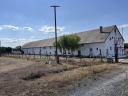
[95,29]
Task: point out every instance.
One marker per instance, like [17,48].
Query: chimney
[101,29]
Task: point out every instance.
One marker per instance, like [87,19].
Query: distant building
[16,51]
[97,42]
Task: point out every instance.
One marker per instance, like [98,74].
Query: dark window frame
[115,30]
[110,48]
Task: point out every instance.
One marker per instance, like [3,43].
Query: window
[69,53]
[107,51]
[100,51]
[110,38]
[91,52]
[115,30]
[110,48]
[96,48]
[90,49]
[82,45]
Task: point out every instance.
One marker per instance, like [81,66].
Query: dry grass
[80,73]
[39,70]
[52,78]
[66,80]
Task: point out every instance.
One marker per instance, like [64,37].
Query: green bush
[5,49]
[126,45]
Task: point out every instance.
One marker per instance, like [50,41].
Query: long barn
[95,42]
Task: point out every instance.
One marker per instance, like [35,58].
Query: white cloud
[123,26]
[60,29]
[1,28]
[28,28]
[125,34]
[13,42]
[45,29]
[11,27]
[15,28]
[51,29]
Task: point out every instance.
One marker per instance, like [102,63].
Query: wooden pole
[116,54]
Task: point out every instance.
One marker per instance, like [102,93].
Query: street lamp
[56,52]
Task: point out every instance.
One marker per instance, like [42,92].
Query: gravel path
[108,84]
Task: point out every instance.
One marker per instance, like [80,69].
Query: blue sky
[23,21]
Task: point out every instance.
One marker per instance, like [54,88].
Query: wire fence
[49,59]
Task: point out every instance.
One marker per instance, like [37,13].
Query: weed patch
[33,76]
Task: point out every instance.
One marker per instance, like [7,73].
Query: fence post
[40,52]
[33,53]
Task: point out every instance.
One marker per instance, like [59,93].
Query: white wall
[110,42]
[96,47]
[85,48]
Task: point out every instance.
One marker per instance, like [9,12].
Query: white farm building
[95,42]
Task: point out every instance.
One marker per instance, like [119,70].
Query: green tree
[8,49]
[5,49]
[73,42]
[125,45]
[19,48]
[68,43]
[58,45]
[64,43]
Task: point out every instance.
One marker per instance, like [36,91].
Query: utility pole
[56,52]
[0,49]
[116,53]
[116,49]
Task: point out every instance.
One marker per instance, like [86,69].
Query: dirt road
[107,84]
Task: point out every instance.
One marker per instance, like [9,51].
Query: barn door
[91,52]
[107,53]
[79,53]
